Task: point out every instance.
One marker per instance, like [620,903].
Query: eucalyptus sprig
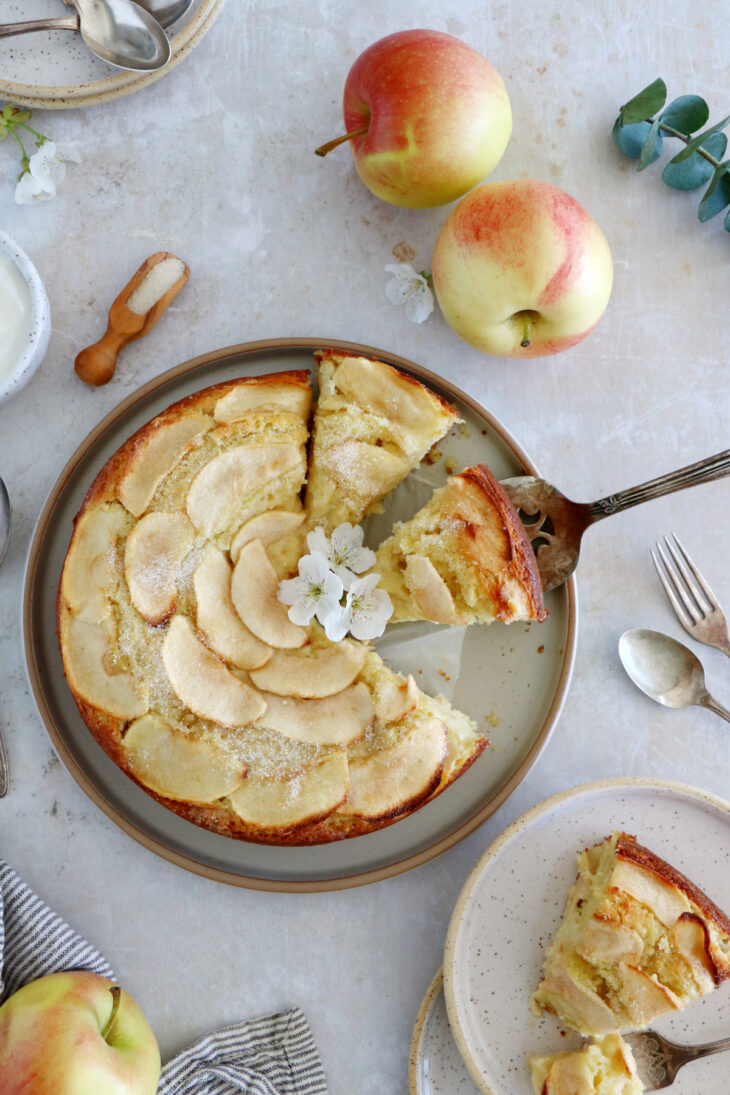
[639,132]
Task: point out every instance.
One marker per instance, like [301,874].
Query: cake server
[666,670]
[555,525]
[4,541]
[658,1060]
[120,32]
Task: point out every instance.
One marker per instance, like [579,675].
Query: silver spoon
[4,541]
[166,12]
[666,670]
[120,32]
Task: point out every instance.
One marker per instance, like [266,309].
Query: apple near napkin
[273,1055]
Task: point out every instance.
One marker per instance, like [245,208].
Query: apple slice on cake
[603,1067]
[637,940]
[464,558]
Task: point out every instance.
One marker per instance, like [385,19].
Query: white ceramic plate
[539,656]
[514,899]
[436,1067]
[54,69]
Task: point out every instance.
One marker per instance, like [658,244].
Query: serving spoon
[555,525]
[166,12]
[120,32]
[666,670]
[4,541]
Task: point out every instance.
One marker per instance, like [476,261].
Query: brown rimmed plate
[516,677]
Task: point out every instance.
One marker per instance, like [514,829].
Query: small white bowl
[40,321]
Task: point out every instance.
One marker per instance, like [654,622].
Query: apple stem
[325,148]
[116,996]
[525,333]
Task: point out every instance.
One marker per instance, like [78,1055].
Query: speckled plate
[54,70]
[512,680]
[436,1067]
[513,901]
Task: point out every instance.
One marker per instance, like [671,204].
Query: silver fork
[658,1060]
[695,605]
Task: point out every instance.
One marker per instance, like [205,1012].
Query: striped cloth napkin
[273,1055]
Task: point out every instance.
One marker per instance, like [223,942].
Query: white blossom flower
[344,551]
[411,289]
[316,592]
[365,613]
[30,190]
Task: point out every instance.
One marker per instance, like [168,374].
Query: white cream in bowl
[25,318]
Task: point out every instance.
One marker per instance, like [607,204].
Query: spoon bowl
[123,34]
[666,670]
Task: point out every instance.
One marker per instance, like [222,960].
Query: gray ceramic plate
[516,676]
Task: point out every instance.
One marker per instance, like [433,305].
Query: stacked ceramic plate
[475,1031]
[53,70]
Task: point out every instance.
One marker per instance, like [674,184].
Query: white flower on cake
[316,592]
[408,288]
[325,575]
[364,614]
[343,550]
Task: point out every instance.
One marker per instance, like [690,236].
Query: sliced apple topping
[152,461]
[254,592]
[300,800]
[216,491]
[88,572]
[396,698]
[311,674]
[203,683]
[155,548]
[646,997]
[392,781]
[431,592]
[370,470]
[333,720]
[266,527]
[293,397]
[218,620]
[87,652]
[178,765]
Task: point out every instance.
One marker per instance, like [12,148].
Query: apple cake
[605,1066]
[183,662]
[637,940]
[464,558]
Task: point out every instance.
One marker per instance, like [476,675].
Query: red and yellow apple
[76,1033]
[521,270]
[427,118]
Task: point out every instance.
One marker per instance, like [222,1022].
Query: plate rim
[520,823]
[120,84]
[34,673]
[415,1045]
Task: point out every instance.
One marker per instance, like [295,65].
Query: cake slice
[637,939]
[604,1067]
[373,424]
[464,558]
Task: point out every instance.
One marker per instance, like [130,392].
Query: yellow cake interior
[605,1066]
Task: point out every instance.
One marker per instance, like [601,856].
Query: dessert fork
[695,605]
[658,1060]
[555,525]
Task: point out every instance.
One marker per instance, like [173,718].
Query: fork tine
[672,590]
[710,597]
[684,583]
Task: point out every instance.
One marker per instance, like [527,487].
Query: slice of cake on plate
[603,1067]
[372,425]
[464,558]
[637,940]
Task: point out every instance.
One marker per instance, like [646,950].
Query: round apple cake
[184,663]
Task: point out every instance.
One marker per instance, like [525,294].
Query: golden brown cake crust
[510,554]
[628,848]
[109,730]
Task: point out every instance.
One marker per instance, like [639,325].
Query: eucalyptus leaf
[686,114]
[646,103]
[696,170]
[717,195]
[630,138]
[652,149]
[695,143]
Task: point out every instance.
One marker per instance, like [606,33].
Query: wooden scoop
[96,364]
